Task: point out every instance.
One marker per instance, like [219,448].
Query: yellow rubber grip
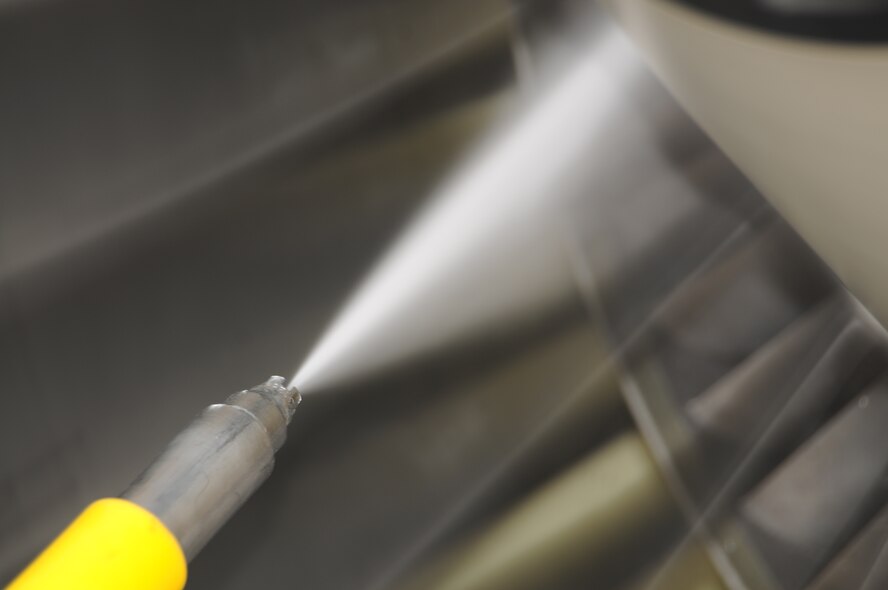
[113,544]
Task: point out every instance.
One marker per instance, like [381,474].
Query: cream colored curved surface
[806,121]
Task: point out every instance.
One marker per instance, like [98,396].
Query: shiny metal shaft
[209,470]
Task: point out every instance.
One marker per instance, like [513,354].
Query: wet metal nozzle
[209,470]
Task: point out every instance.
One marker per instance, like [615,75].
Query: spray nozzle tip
[287,396]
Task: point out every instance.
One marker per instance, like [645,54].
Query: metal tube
[209,470]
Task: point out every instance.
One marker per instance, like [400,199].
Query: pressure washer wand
[143,540]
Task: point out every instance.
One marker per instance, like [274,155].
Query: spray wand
[144,539]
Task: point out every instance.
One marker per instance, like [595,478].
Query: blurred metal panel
[110,110]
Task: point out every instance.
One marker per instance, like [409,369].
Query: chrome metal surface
[780,511]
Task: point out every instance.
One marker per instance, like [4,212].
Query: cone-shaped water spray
[490,250]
